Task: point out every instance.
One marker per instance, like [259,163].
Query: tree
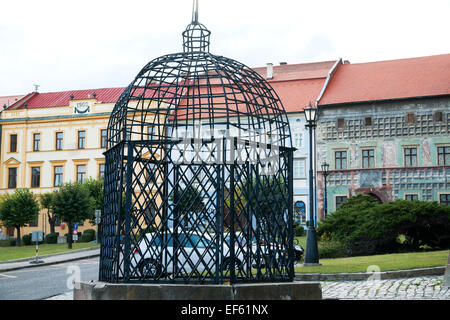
[266,194]
[19,209]
[46,201]
[72,203]
[95,189]
[190,201]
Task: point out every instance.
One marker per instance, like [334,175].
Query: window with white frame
[299,169]
[298,139]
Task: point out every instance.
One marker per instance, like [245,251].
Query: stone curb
[436,271]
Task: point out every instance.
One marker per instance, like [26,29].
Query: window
[81,173]
[438,116]
[410,118]
[340,123]
[298,139]
[410,157]
[13,143]
[340,200]
[103,138]
[444,199]
[368,159]
[299,169]
[12,178]
[101,170]
[81,139]
[35,177]
[59,141]
[36,142]
[58,176]
[443,156]
[340,160]
[411,197]
[368,121]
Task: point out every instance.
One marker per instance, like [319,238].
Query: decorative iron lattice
[198,177]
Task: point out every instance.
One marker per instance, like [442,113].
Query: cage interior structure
[198,177]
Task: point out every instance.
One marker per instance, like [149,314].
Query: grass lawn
[9,253]
[386,262]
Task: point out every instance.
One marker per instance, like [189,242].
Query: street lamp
[312,252]
[325,167]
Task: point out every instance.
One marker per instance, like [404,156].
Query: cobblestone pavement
[422,288]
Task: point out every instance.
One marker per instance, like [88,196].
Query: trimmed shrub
[4,243]
[26,239]
[12,242]
[365,227]
[88,235]
[52,238]
[332,249]
[299,231]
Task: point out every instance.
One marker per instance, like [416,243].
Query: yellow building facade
[48,139]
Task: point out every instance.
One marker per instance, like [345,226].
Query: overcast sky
[67,44]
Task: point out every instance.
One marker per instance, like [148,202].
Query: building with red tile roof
[297,85]
[389,80]
[9,100]
[36,100]
[384,129]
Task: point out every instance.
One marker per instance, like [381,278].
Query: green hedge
[299,231]
[52,238]
[332,249]
[88,235]
[26,239]
[364,226]
[5,243]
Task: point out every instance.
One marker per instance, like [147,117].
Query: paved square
[422,288]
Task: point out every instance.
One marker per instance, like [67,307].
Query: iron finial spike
[195,12]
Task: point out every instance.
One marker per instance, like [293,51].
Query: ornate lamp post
[325,167]
[312,252]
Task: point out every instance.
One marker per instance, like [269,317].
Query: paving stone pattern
[421,288]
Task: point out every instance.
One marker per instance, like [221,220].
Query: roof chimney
[283,63]
[269,71]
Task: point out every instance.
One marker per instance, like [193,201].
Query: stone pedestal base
[296,290]
[447,274]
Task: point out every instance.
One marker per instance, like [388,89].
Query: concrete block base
[296,290]
[447,274]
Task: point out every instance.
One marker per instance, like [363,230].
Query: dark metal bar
[128,213]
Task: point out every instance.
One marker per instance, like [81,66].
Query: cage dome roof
[195,93]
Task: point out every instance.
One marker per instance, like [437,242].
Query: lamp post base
[312,252]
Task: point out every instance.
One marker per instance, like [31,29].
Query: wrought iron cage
[198,177]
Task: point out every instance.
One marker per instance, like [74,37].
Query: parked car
[200,249]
